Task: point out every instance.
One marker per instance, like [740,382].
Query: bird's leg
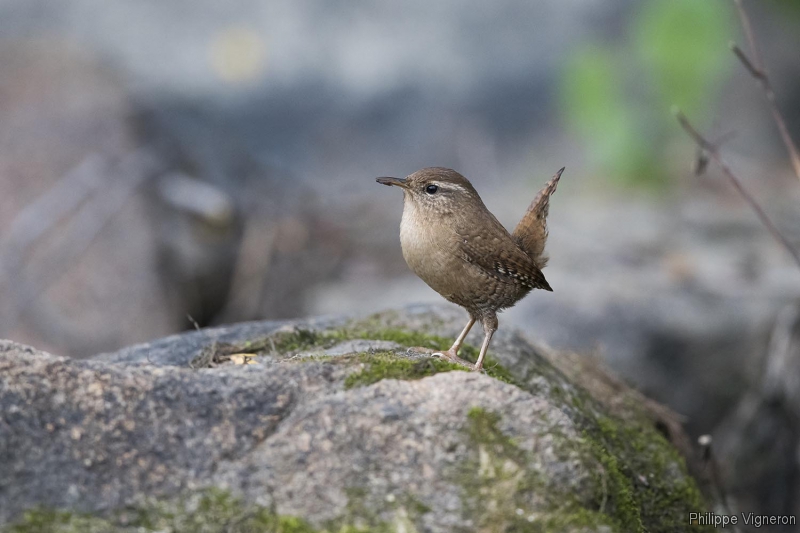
[489,327]
[460,340]
[452,353]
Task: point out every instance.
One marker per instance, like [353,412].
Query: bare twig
[713,152]
[701,159]
[756,69]
[748,32]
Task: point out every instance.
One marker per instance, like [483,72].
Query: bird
[459,248]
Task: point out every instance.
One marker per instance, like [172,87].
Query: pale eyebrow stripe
[450,186]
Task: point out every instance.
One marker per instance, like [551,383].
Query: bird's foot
[451,356]
[476,368]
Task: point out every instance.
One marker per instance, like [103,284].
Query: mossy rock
[259,428]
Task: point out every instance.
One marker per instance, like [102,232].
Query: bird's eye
[431,189]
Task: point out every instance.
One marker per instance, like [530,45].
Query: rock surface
[332,425]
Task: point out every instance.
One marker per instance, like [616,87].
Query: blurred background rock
[165,159]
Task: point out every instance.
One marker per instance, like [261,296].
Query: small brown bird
[452,241]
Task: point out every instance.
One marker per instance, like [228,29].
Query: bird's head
[436,190]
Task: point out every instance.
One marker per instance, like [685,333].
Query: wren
[451,240]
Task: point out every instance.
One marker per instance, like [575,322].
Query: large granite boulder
[333,425]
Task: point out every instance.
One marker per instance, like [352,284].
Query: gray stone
[337,440]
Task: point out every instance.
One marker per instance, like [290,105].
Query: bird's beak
[399,182]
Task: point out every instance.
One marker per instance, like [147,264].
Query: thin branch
[701,159]
[756,69]
[749,34]
[751,68]
[713,152]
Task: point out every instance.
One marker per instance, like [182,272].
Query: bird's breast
[428,248]
[426,244]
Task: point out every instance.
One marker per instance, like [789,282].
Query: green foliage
[790,8]
[683,45]
[597,109]
[616,96]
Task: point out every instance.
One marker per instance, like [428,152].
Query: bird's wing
[531,232]
[491,248]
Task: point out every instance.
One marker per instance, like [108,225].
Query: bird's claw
[451,356]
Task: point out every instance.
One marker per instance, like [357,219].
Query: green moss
[215,511]
[637,480]
[504,492]
[280,342]
[494,369]
[648,474]
[572,518]
[389,326]
[372,328]
[482,429]
[402,337]
[380,366]
[288,342]
[387,365]
[49,521]
[359,515]
[365,513]
[613,491]
[212,511]
[411,339]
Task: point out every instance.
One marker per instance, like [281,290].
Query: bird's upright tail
[531,232]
